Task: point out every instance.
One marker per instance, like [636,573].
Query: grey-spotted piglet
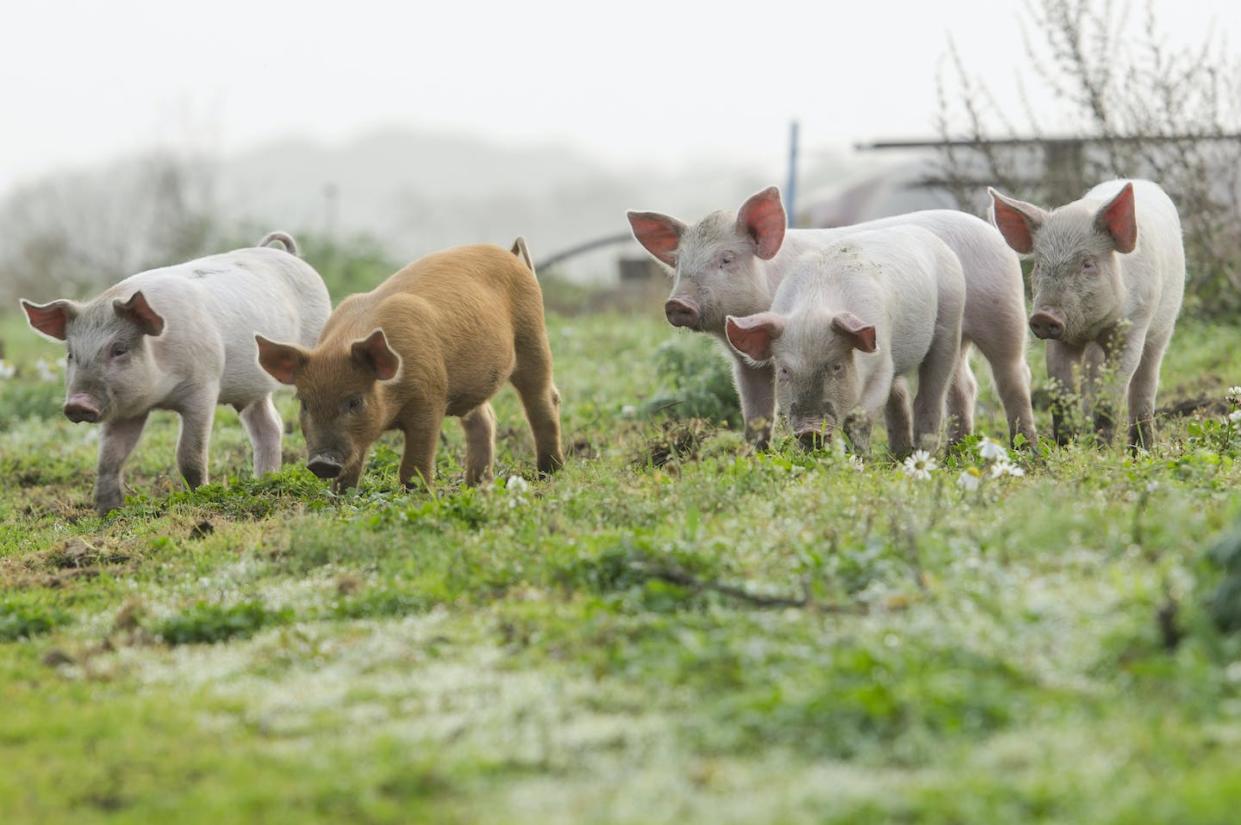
[181,338]
[849,323]
[1108,279]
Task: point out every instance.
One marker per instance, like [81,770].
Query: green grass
[672,630]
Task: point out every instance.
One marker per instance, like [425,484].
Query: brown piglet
[440,337]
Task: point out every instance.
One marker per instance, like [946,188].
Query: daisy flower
[991,451]
[1006,468]
[920,465]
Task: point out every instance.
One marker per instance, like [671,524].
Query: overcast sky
[633,83]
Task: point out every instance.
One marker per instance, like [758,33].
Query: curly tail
[282,238]
[523,254]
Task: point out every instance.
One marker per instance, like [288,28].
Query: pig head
[718,264]
[110,370]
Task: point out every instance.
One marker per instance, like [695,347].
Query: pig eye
[837,368]
[119,349]
[727,258]
[1089,265]
[353,404]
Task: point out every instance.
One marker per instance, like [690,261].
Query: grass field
[672,630]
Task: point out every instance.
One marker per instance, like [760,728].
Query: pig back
[462,308]
[900,280]
[213,307]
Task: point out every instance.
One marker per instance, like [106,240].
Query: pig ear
[1119,221]
[51,319]
[659,234]
[859,333]
[762,218]
[752,335]
[281,361]
[137,310]
[374,353]
[1017,221]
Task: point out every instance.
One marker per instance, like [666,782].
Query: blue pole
[790,189]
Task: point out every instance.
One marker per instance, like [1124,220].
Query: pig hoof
[550,464]
[107,504]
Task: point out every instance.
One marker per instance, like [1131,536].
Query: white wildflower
[7,370]
[1006,467]
[920,465]
[46,371]
[629,411]
[969,480]
[516,484]
[1234,417]
[1234,395]
[991,451]
[1152,487]
[856,462]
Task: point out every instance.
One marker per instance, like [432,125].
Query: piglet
[849,323]
[1108,280]
[438,338]
[181,338]
[731,263]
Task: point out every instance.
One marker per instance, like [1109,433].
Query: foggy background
[426,125]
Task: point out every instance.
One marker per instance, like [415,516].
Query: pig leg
[1003,345]
[1012,381]
[897,416]
[265,429]
[422,437]
[1107,377]
[1142,389]
[350,474]
[962,395]
[541,399]
[117,442]
[1062,362]
[1097,404]
[196,417]
[757,388]
[480,443]
[934,375]
[857,429]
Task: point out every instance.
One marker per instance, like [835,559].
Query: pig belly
[481,387]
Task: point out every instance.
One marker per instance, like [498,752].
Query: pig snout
[1047,323]
[813,437]
[324,466]
[81,407]
[682,312]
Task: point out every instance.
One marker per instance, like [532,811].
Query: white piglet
[731,263]
[1108,279]
[849,324]
[181,338]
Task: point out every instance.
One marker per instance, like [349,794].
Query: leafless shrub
[1145,108]
[72,234]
